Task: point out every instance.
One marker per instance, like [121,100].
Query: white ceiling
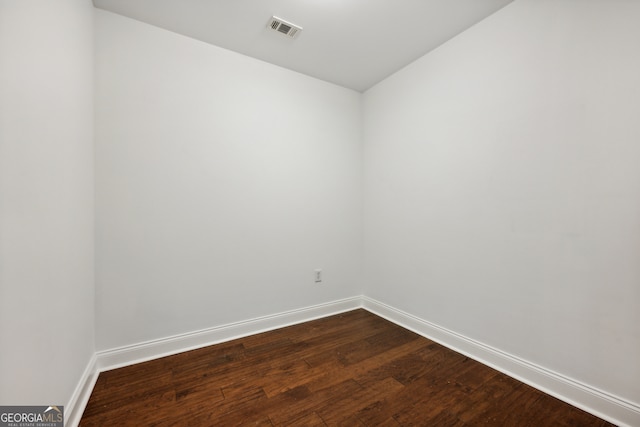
[352,43]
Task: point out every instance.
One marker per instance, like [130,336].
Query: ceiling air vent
[284,27]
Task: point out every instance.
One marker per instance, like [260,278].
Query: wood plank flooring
[352,369]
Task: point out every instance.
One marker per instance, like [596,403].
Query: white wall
[46,199]
[222,183]
[502,188]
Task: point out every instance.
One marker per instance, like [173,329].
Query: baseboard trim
[142,352]
[604,405]
[600,403]
[75,407]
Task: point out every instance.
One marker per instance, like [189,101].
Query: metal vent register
[284,27]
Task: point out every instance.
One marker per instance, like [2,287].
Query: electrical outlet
[318,275]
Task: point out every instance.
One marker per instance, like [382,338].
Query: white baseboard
[142,352]
[75,407]
[590,399]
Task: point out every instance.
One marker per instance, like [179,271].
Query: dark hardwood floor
[352,369]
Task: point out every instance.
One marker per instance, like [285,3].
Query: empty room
[305,212]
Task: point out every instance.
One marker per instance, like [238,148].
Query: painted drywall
[502,188]
[222,183]
[46,199]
